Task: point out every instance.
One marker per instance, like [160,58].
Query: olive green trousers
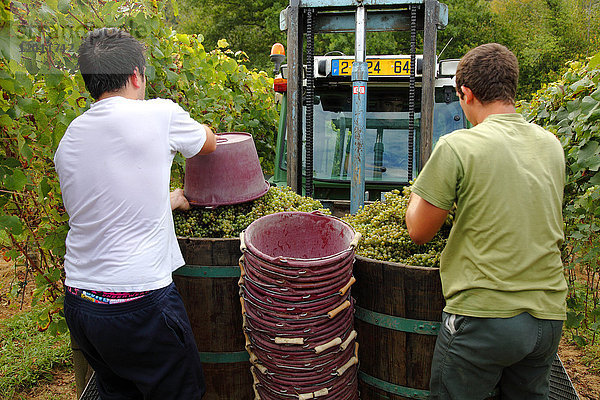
[474,356]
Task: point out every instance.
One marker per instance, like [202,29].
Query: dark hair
[491,71]
[107,58]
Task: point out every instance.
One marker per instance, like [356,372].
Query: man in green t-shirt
[501,271]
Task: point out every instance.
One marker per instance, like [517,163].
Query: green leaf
[13,254]
[45,187]
[53,4]
[11,223]
[150,72]
[28,104]
[573,319]
[595,61]
[7,83]
[10,162]
[53,79]
[15,181]
[172,76]
[596,93]
[595,180]
[157,52]
[9,46]
[592,163]
[26,151]
[587,150]
[580,340]
[23,81]
[55,242]
[589,104]
[64,6]
[175,7]
[109,8]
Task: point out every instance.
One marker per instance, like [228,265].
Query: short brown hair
[491,71]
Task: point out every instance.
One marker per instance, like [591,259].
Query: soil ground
[61,386]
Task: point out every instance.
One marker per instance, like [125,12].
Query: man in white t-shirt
[114,165]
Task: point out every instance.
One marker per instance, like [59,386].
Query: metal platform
[91,391]
[561,387]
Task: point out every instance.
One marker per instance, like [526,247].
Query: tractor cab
[388,152]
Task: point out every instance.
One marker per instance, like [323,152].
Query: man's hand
[178,200]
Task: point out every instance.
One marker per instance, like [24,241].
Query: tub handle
[357,237]
[280,340]
[243,306]
[313,395]
[340,371]
[242,271]
[339,308]
[242,242]
[343,290]
[346,343]
[328,345]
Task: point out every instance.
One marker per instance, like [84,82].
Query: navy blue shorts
[141,349]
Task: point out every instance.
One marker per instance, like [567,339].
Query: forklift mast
[305,18]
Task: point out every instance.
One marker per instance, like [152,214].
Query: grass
[27,355]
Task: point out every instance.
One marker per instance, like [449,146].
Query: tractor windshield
[386,137]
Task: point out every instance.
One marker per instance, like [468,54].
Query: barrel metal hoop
[224,358]
[397,323]
[392,388]
[209,271]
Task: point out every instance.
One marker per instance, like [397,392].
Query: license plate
[377,67]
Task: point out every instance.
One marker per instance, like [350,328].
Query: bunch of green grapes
[228,221]
[385,236]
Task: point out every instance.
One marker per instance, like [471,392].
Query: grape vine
[41,93]
[570,107]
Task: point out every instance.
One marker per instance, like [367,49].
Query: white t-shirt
[114,165]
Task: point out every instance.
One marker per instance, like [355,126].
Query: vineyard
[41,93]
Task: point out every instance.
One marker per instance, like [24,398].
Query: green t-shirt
[506,177]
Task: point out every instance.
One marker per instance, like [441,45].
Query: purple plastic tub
[229,175]
[300,240]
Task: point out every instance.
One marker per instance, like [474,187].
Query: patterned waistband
[100,297]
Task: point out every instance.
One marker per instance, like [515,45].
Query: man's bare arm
[211,141]
[423,219]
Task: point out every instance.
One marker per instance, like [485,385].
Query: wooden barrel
[208,284]
[398,314]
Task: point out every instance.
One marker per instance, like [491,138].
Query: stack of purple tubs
[297,308]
